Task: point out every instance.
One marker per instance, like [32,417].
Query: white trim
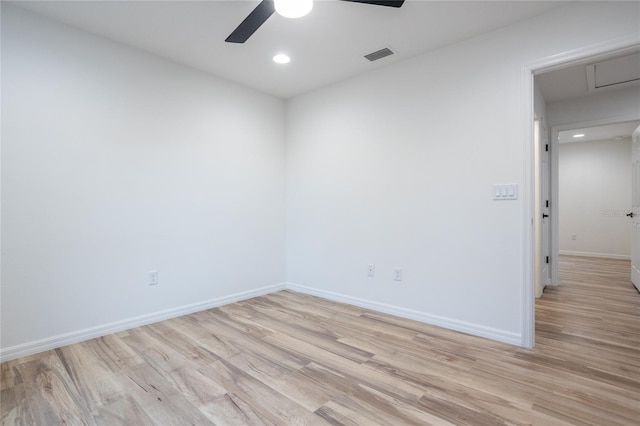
[528,210]
[601,255]
[554,197]
[65,339]
[594,52]
[528,71]
[449,323]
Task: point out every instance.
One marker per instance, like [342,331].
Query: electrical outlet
[371,270]
[397,274]
[153,277]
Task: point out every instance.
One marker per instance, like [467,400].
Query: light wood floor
[289,359]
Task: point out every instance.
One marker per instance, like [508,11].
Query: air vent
[379,54]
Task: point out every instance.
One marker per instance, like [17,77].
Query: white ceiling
[326,46]
[572,82]
[599,133]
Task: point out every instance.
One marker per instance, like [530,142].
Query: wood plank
[266,401]
[123,412]
[160,401]
[14,407]
[51,395]
[95,382]
[229,410]
[114,353]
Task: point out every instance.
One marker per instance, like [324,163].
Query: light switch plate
[505,191]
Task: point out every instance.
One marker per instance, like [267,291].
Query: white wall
[395,168]
[595,195]
[116,162]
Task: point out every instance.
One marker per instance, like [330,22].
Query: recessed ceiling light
[579,135]
[281,58]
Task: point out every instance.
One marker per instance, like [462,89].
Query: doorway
[563,114]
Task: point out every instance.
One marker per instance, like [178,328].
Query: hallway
[589,326]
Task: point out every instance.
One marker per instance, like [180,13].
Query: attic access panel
[616,72]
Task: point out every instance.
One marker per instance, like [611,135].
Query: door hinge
[547,203]
[547,259]
[546,148]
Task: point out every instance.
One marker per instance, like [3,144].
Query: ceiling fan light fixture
[293,8]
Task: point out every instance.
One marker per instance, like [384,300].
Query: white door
[545,240]
[542,274]
[635,209]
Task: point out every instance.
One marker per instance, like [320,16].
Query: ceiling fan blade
[390,3]
[251,23]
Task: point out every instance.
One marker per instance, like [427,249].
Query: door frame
[530,165]
[635,213]
[555,170]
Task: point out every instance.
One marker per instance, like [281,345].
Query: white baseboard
[601,255]
[65,339]
[452,324]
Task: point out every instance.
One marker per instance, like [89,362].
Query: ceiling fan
[266,8]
